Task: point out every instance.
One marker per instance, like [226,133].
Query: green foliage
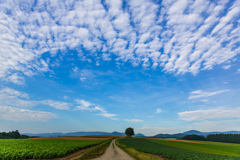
[194,137]
[129,132]
[146,146]
[41,148]
[229,138]
[11,135]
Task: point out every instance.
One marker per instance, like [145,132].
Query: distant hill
[57,134]
[192,132]
[180,135]
[139,135]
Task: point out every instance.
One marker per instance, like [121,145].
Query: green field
[147,146]
[229,149]
[41,148]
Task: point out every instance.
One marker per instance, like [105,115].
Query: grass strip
[95,151]
[136,154]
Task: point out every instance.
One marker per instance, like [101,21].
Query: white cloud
[57,104]
[220,125]
[178,7]
[203,94]
[14,78]
[159,110]
[204,100]
[88,106]
[18,114]
[234,12]
[84,105]
[15,98]
[238,71]
[11,97]
[217,113]
[14,93]
[86,74]
[133,120]
[179,36]
[104,113]
[65,97]
[108,115]
[227,66]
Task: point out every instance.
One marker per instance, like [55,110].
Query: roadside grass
[228,149]
[136,154]
[95,151]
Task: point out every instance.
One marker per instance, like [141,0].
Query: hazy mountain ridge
[80,134]
[180,135]
[177,135]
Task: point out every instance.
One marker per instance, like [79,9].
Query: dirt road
[114,152]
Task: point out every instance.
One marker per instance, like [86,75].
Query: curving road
[114,152]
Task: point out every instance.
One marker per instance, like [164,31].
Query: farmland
[41,148]
[229,149]
[144,145]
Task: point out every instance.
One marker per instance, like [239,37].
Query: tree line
[12,135]
[228,138]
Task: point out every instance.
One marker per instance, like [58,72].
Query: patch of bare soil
[113,152]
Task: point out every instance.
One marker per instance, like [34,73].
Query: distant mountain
[178,135]
[79,134]
[192,132]
[139,135]
[181,135]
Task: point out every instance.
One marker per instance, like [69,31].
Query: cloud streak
[159,110]
[133,120]
[18,100]
[202,94]
[217,113]
[88,106]
[18,114]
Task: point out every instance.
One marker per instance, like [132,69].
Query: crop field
[79,137]
[171,152]
[229,149]
[41,148]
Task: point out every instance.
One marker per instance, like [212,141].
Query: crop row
[146,146]
[41,148]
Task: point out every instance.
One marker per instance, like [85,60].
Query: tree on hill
[194,137]
[12,135]
[129,132]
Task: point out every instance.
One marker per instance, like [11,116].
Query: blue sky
[91,65]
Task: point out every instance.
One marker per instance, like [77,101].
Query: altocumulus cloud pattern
[177,36]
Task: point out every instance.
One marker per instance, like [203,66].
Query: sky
[101,65]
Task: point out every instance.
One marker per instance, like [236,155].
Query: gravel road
[113,152]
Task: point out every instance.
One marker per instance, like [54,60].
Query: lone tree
[129,132]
